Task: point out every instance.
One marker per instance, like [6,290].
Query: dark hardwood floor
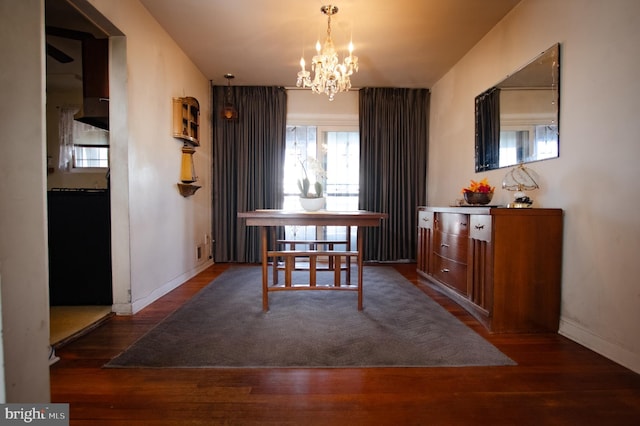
[556,382]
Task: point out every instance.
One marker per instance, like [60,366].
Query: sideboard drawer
[451,273]
[425,219]
[480,228]
[451,246]
[452,223]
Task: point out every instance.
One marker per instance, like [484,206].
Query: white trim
[122,308]
[138,305]
[587,338]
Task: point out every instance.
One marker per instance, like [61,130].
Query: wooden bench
[314,245]
[290,256]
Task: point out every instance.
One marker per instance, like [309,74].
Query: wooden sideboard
[502,265]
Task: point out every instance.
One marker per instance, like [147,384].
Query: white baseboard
[596,343]
[138,305]
[122,309]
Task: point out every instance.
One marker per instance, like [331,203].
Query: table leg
[275,258]
[289,266]
[360,264]
[348,258]
[312,271]
[336,271]
[265,270]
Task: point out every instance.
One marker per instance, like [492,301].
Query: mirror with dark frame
[517,120]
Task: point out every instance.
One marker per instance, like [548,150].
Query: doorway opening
[78,198]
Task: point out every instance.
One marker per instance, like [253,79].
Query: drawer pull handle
[479,226]
[425,219]
[444,245]
[444,270]
[463,223]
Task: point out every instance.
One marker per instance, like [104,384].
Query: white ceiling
[400,43]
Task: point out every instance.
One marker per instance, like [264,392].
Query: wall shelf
[186,119]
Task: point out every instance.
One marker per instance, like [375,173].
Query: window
[90,156]
[83,147]
[90,146]
[527,143]
[338,151]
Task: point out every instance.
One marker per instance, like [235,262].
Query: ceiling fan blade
[67,33]
[58,54]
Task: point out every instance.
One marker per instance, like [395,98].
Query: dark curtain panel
[248,161]
[394,127]
[488,130]
[523,147]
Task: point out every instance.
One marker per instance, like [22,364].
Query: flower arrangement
[482,187]
[304,184]
[478,192]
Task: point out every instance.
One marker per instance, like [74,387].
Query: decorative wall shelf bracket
[187,172]
[187,190]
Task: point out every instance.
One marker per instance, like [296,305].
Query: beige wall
[152,222]
[305,107]
[24,272]
[595,177]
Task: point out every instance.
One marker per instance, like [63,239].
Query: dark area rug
[224,326]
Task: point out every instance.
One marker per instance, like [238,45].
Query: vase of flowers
[311,196]
[478,193]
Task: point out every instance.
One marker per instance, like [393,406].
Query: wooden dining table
[270,218]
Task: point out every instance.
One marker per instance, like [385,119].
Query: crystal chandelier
[330,76]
